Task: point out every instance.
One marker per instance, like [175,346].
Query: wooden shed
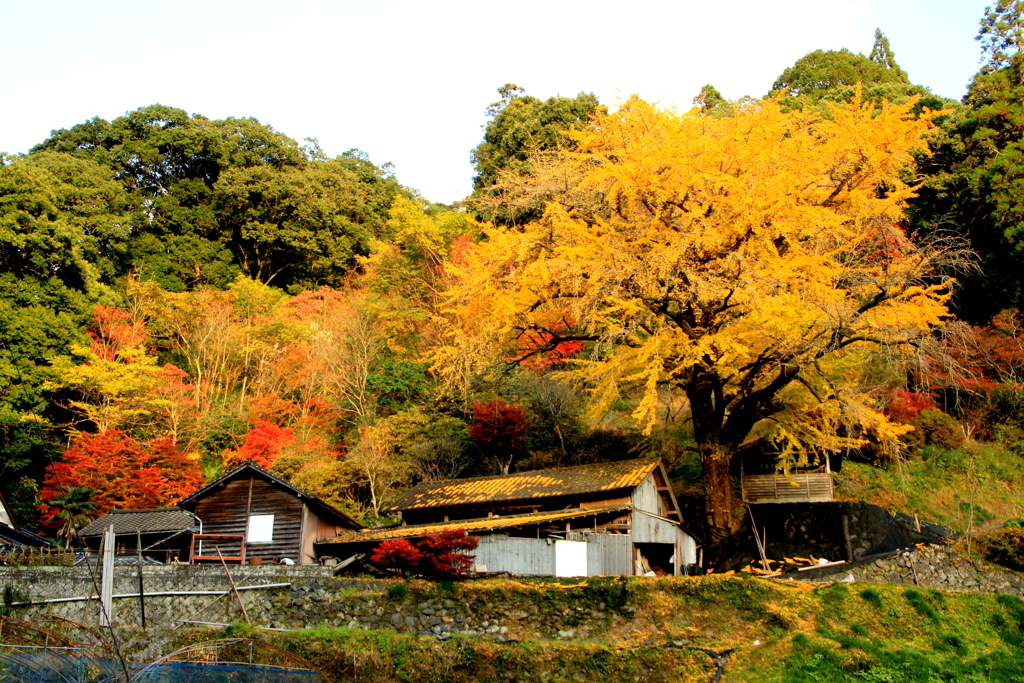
[163,534]
[252,513]
[613,518]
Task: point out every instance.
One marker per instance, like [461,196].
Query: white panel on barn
[570,558]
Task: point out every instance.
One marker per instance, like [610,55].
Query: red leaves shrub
[396,554]
[445,555]
[906,406]
[435,556]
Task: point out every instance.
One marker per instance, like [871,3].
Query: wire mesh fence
[34,654]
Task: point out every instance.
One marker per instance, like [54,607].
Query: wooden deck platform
[797,487]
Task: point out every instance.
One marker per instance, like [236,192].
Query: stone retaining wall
[934,567]
[315,598]
[32,584]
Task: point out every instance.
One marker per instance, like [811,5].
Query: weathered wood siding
[609,555]
[647,497]
[227,510]
[799,487]
[521,556]
[648,529]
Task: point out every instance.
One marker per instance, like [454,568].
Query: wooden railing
[205,548]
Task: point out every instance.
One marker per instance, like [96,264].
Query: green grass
[943,485]
[782,632]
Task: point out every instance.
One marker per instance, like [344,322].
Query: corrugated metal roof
[469,525]
[150,521]
[560,481]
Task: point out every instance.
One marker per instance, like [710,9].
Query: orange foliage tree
[123,472]
[749,263]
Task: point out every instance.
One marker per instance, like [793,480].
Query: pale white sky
[408,82]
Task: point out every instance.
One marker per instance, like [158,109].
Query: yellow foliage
[749,262]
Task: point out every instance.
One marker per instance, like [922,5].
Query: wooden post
[142,593]
[232,583]
[846,535]
[107,578]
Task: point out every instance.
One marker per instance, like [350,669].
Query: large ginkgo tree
[748,263]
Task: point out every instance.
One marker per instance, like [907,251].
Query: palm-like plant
[75,509]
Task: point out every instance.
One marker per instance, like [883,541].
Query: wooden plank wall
[609,554]
[811,487]
[226,511]
[645,497]
[521,556]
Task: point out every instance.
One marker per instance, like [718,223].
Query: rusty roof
[469,525]
[559,481]
[154,520]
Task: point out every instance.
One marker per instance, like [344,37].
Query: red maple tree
[499,430]
[906,406]
[113,330]
[440,556]
[122,472]
[263,445]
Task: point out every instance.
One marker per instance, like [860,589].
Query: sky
[408,82]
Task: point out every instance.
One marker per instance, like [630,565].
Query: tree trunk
[723,507]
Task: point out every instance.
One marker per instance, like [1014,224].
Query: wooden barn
[250,513]
[606,519]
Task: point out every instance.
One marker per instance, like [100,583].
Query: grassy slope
[941,485]
[781,632]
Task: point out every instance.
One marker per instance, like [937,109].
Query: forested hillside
[836,267]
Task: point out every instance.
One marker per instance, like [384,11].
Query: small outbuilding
[604,519]
[163,534]
[13,537]
[251,513]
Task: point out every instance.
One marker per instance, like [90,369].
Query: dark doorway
[654,557]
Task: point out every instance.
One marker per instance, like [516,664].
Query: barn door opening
[653,559]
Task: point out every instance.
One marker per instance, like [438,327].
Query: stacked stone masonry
[315,598]
[935,567]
